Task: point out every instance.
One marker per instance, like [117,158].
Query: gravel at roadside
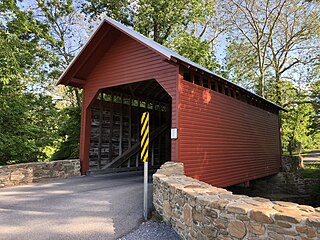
[152,231]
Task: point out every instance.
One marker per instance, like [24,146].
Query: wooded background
[269,47]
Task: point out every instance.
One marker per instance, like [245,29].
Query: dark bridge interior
[115,127]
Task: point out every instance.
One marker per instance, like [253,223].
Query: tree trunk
[78,98]
[156,33]
[278,89]
[262,84]
[301,163]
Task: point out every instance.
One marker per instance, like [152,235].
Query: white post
[145,192]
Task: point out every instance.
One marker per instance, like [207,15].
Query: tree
[276,34]
[255,22]
[68,32]
[27,124]
[272,47]
[296,123]
[196,40]
[120,10]
[189,27]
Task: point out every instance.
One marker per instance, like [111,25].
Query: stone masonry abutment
[197,210]
[25,173]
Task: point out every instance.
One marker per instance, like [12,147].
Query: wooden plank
[130,123]
[100,130]
[115,170]
[159,140]
[130,126]
[121,126]
[152,127]
[111,128]
[216,85]
[192,77]
[168,137]
[137,159]
[223,89]
[118,161]
[138,133]
[78,81]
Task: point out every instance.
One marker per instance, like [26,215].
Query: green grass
[311,170]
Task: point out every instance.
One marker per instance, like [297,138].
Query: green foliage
[69,131]
[315,96]
[158,19]
[195,49]
[20,35]
[27,116]
[185,26]
[120,10]
[241,63]
[296,126]
[27,127]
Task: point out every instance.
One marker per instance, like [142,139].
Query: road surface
[93,207]
[314,156]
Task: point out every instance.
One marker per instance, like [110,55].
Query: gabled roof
[156,47]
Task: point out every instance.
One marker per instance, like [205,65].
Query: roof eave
[175,60]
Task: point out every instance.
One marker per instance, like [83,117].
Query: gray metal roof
[169,54]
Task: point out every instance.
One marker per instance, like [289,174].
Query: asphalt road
[93,207]
[312,157]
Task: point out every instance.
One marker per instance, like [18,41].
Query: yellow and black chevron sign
[145,136]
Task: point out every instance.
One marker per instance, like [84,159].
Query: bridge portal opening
[115,127]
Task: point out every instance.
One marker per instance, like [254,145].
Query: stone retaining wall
[288,185]
[286,182]
[25,173]
[197,210]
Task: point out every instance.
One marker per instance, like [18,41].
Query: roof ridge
[169,53]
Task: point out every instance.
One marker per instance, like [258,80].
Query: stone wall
[288,185]
[286,182]
[197,210]
[291,179]
[289,163]
[25,173]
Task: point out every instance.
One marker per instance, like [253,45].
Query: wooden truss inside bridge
[115,127]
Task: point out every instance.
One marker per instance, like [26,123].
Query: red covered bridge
[225,134]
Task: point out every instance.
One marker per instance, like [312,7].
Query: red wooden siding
[127,61]
[223,141]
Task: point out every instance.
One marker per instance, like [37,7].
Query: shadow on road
[94,207]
